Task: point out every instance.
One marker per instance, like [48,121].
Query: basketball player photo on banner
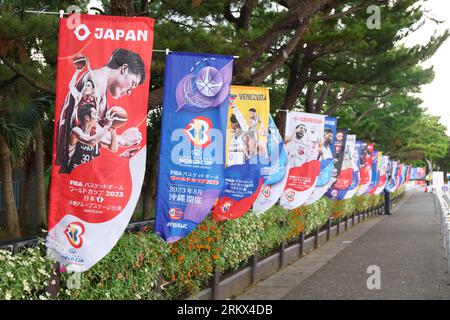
[365,170]
[391,175]
[99,146]
[246,152]
[326,161]
[383,176]
[347,182]
[304,140]
[193,133]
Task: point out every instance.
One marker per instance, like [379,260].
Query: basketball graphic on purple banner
[206,86]
[209,81]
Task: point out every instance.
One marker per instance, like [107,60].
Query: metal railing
[442,204]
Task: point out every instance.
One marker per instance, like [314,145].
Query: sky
[436,95]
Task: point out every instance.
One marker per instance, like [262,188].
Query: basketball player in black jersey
[85,140]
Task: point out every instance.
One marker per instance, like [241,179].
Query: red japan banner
[99,146]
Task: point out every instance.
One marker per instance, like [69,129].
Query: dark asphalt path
[407,248]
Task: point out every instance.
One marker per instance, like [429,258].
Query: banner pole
[54,281]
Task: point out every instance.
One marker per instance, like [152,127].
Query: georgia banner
[304,135]
[365,171]
[99,146]
[193,132]
[326,161]
[275,174]
[346,184]
[246,151]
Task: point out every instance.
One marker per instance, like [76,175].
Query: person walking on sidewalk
[387,202]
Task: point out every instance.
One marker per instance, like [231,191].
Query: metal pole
[301,242]
[159,282]
[316,239]
[281,263]
[54,281]
[346,222]
[254,266]
[328,228]
[338,230]
[215,285]
[282,246]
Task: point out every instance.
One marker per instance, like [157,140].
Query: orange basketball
[119,115]
[79,61]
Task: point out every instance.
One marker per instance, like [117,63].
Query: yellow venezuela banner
[248,120]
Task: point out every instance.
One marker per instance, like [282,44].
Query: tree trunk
[147,187]
[429,166]
[41,211]
[298,15]
[12,218]
[309,98]
[144,5]
[298,77]
[122,7]
[280,121]
[323,97]
[154,181]
[25,198]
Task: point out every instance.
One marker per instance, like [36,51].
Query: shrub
[191,260]
[24,275]
[128,272]
[317,214]
[275,226]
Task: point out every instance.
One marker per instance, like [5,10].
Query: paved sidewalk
[406,246]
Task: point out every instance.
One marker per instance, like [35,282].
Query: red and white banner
[304,139]
[99,146]
[365,170]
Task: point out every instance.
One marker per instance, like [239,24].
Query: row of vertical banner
[220,150]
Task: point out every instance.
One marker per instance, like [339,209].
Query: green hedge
[131,269]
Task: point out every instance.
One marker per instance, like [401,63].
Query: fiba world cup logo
[266,191]
[197,130]
[74,232]
[175,213]
[226,206]
[290,196]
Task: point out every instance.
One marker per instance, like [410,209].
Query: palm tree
[13,141]
[21,136]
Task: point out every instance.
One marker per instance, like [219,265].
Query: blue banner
[275,174]
[191,160]
[392,171]
[375,173]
